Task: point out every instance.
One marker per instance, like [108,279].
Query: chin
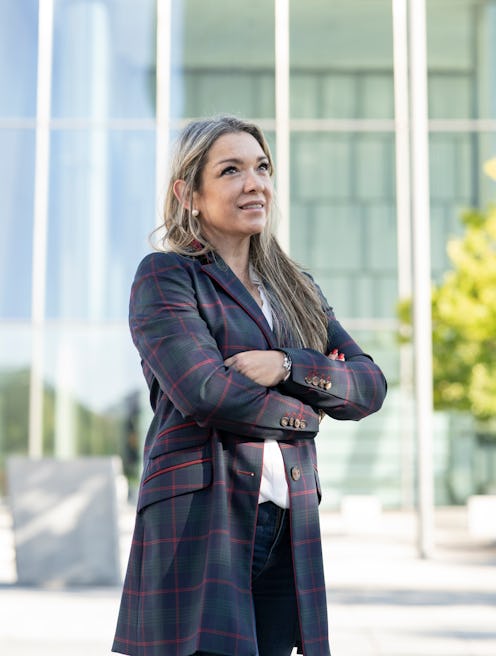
[258,227]
[256,231]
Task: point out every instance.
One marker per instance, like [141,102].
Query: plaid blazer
[188,581]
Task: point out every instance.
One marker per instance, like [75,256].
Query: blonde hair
[285,283]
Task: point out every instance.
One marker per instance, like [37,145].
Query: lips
[252,206]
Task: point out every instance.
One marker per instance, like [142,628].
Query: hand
[263,367]
[335,355]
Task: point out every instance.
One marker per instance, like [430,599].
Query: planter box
[481,510]
[65,520]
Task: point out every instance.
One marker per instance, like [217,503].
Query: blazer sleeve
[175,343]
[351,389]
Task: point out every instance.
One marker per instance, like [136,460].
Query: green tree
[464,322]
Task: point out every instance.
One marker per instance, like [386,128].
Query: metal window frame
[40,224]
[282,72]
[417,124]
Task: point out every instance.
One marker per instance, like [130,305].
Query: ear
[181,193]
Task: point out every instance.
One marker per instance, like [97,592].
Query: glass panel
[461,44]
[95,400]
[343,221]
[102,208]
[218,70]
[104,59]
[374,456]
[341,66]
[457,182]
[450,95]
[16,226]
[18,57]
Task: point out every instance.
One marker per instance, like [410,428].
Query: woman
[241,354]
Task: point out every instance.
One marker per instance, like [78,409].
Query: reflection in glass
[341,59]
[18,57]
[16,224]
[374,456]
[103,203]
[15,361]
[343,222]
[104,59]
[461,50]
[102,208]
[457,183]
[94,387]
[219,70]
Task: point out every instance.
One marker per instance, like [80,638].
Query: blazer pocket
[176,477]
[317,484]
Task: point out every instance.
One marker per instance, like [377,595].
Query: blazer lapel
[232,285]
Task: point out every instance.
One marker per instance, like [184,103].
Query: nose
[253,182]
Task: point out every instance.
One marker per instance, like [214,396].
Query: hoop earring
[195,213]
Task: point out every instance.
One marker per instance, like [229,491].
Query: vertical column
[40,221]
[163,83]
[422,320]
[404,228]
[402,128]
[282,119]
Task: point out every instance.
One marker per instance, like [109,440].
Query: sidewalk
[383,600]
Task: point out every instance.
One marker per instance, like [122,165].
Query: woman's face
[236,189]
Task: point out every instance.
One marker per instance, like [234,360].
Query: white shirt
[273,486]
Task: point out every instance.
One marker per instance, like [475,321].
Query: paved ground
[383,600]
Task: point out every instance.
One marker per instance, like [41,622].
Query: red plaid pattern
[187,586]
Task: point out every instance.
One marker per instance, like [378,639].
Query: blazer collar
[232,285]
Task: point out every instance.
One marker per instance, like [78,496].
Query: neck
[236,255]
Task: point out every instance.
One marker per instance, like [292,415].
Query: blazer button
[291,421]
[328,385]
[303,424]
[315,381]
[284,421]
[297,423]
[308,380]
[295,473]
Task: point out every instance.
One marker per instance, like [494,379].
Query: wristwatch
[287,363]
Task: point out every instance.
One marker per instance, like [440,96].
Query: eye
[229,170]
[264,166]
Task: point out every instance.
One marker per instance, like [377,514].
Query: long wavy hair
[299,316]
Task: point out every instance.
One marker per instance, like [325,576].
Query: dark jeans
[273,587]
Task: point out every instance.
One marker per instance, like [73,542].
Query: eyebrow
[237,160]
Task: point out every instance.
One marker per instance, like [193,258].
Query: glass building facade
[84,138]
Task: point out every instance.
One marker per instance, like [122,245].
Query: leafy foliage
[464,321]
